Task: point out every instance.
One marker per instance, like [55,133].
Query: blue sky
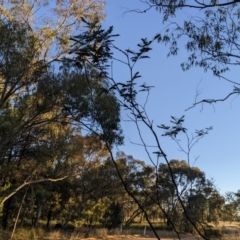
[175,91]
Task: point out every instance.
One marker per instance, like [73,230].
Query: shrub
[113,216]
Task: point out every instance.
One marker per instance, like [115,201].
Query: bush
[211,232]
[113,216]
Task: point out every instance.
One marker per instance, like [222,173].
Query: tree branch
[26,183]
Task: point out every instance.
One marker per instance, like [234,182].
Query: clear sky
[219,152]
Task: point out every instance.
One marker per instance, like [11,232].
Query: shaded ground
[135,237]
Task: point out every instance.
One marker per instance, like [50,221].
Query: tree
[212,37]
[52,22]
[113,216]
[88,105]
[231,207]
[25,108]
[39,142]
[199,196]
[95,47]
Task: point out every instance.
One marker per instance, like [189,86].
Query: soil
[136,237]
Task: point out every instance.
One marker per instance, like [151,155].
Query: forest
[61,122]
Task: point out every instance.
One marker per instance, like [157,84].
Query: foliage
[95,110]
[230,211]
[201,200]
[58,131]
[211,37]
[52,22]
[113,217]
[128,92]
[48,130]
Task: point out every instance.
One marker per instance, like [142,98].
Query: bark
[6,210]
[39,213]
[49,218]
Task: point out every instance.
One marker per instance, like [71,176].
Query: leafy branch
[127,93]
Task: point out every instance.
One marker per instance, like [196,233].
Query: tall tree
[211,36]
[231,207]
[198,194]
[95,47]
[52,22]
[43,115]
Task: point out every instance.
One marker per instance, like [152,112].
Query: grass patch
[80,233]
[136,230]
[23,233]
[157,226]
[224,231]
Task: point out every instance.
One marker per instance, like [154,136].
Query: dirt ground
[136,237]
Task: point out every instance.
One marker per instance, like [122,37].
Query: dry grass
[229,224]
[228,231]
[148,233]
[96,234]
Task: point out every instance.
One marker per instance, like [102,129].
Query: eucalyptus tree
[59,148]
[95,48]
[52,22]
[230,210]
[24,106]
[202,201]
[188,180]
[39,140]
[210,32]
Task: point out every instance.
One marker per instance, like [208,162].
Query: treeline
[96,197]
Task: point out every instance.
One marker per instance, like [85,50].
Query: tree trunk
[18,214]
[39,213]
[22,218]
[49,218]
[6,210]
[141,218]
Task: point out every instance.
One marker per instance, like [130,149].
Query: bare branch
[26,183]
[212,101]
